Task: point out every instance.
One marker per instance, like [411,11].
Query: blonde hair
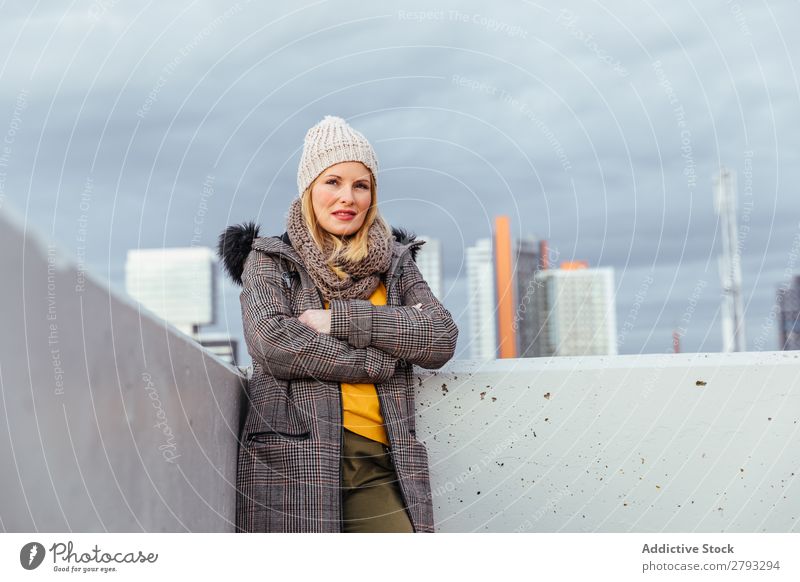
[357,245]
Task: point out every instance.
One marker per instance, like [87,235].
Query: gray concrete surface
[110,420]
[674,443]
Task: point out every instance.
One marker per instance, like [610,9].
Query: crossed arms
[366,342]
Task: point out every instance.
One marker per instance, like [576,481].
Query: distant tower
[789,301]
[429,262]
[525,317]
[482,306]
[730,270]
[504,279]
[577,311]
[177,284]
[180,286]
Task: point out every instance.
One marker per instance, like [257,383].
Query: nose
[347,195]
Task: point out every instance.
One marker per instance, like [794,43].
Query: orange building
[504,279]
[574,265]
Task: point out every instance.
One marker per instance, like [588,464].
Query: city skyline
[598,129]
[532,279]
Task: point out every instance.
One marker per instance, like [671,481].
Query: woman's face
[341,197]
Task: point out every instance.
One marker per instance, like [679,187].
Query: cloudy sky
[597,126]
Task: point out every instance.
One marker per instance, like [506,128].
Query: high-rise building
[504,281]
[180,286]
[177,284]
[429,261]
[501,273]
[789,301]
[482,306]
[576,311]
[526,320]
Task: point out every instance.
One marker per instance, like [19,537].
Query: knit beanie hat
[330,142]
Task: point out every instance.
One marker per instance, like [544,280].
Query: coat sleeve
[425,337]
[289,349]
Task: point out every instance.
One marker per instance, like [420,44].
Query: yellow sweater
[361,411]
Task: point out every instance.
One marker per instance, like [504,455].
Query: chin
[344,230]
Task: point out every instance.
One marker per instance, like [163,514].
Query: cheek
[321,200]
[364,201]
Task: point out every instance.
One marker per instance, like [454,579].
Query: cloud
[554,116]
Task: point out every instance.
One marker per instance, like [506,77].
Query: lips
[344,214]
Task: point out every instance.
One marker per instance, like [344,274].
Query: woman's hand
[317,319]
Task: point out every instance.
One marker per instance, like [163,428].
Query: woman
[335,315]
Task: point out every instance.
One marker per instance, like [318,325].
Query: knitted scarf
[362,277]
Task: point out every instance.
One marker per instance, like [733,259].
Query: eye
[330,181]
[363,185]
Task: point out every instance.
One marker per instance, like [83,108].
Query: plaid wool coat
[289,464]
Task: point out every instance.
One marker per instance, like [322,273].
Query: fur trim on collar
[235,242]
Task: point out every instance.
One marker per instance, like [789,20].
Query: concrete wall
[674,443]
[110,420]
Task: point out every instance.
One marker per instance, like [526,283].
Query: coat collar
[236,242]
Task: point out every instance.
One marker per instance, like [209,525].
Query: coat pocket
[269,436]
[277,483]
[271,410]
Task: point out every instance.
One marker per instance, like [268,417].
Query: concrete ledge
[674,443]
[112,420]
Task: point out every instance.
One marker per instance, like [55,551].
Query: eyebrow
[335,176]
